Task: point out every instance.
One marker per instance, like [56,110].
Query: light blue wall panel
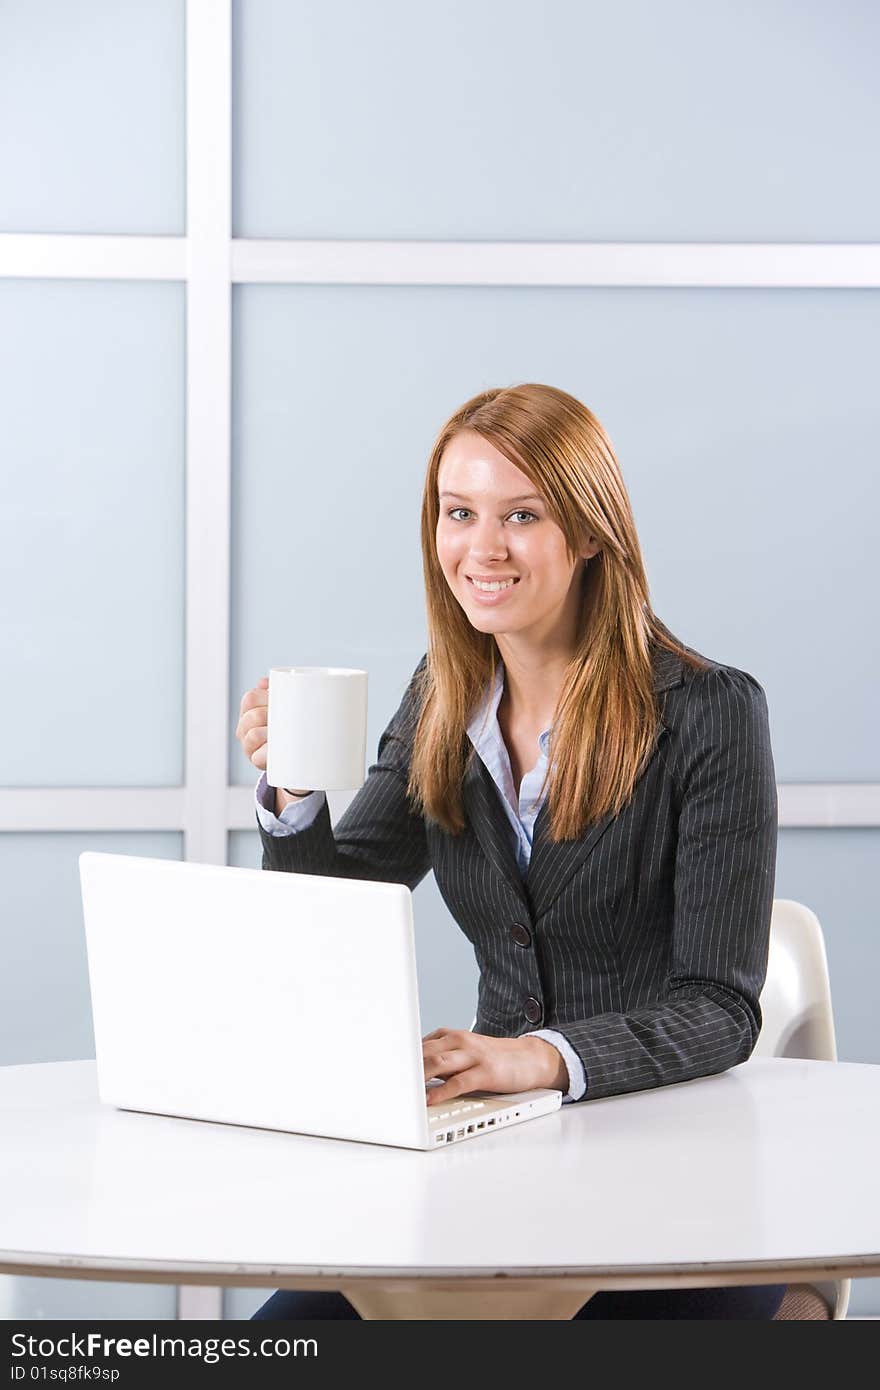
[241,1303]
[45,1007]
[92,392]
[584,121]
[745,423]
[835,873]
[84,1300]
[244,849]
[92,116]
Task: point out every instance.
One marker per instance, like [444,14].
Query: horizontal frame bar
[26,256]
[710,266]
[845,265]
[818,805]
[92,808]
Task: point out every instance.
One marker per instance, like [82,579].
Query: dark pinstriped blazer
[646,938]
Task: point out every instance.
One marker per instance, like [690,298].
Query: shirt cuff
[297,815]
[577,1076]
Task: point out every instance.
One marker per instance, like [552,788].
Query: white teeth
[492,588]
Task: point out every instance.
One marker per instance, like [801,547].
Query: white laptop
[281,1000]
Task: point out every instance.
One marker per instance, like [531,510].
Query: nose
[487,542]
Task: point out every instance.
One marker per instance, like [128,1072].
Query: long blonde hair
[606,718]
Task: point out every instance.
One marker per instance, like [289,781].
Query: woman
[596,800]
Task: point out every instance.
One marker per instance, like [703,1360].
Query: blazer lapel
[552,864]
[485,815]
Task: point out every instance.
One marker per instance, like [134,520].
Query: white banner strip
[789,266]
[92,257]
[809,805]
[708,266]
[814,805]
[91,808]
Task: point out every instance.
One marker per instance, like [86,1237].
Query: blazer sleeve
[379,836]
[708,1017]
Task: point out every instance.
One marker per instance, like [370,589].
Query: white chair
[796,998]
[798,1022]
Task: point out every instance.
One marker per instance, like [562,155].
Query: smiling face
[493,525]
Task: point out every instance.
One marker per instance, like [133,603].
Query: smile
[494,586]
[492,593]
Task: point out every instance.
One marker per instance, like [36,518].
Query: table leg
[474,1299]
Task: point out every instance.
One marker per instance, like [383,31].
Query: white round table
[766,1173]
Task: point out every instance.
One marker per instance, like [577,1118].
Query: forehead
[471,467]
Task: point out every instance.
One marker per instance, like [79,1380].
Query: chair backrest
[796,998]
[797,1017]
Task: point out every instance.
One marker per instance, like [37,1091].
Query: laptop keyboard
[464,1117]
[462,1108]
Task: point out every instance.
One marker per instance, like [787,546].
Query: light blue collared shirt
[521,806]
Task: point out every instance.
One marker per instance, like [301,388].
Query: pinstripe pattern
[649,933]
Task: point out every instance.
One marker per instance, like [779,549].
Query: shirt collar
[484,727]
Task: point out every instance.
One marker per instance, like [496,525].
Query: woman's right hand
[252,731]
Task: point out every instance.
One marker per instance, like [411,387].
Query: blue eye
[519,512]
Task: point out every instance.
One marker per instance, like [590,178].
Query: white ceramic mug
[317,728]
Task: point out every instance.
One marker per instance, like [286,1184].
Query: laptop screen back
[254,997]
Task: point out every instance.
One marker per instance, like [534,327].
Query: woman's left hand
[474,1062]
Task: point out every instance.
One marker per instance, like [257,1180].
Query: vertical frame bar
[208,483]
[208,463]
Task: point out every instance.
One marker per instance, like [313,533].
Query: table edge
[702,1274]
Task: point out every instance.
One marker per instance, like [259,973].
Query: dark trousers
[757,1302]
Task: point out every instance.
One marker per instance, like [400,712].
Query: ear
[591,549]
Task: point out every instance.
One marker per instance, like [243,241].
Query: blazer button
[521,935]
[532,1010]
